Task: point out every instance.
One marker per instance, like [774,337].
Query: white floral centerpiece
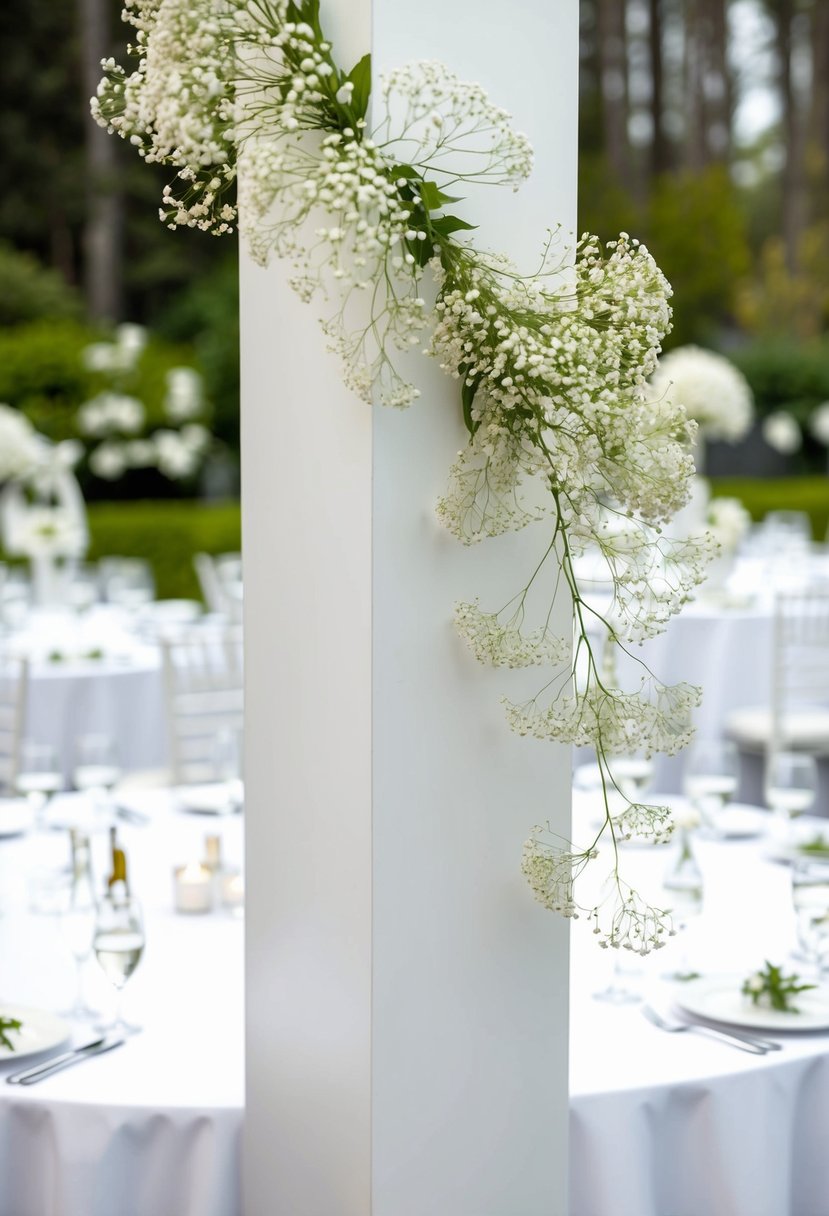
[42,513]
[552,367]
[715,394]
[113,424]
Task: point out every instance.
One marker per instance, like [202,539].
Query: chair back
[203,682]
[220,578]
[14,677]
[800,670]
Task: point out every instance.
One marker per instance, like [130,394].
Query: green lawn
[809,494]
[167,534]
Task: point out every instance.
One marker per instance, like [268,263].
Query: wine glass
[710,778]
[791,787]
[683,885]
[810,898]
[39,776]
[632,774]
[96,769]
[118,944]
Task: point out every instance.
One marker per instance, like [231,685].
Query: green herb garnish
[7,1024]
[772,987]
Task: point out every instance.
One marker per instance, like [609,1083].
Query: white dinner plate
[207,799]
[719,999]
[16,816]
[40,1031]
[740,821]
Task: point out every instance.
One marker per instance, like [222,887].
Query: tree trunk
[660,159]
[719,83]
[696,142]
[614,86]
[102,237]
[818,149]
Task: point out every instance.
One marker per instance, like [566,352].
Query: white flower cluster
[110,412]
[19,444]
[329,205]
[49,531]
[728,521]
[626,922]
[655,719]
[503,644]
[177,106]
[185,394]
[559,364]
[712,390]
[450,129]
[176,454]
[120,356]
[645,821]
[113,421]
[782,432]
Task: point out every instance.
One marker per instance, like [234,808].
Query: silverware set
[39,1072]
[742,1040]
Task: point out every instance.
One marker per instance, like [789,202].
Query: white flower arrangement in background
[552,367]
[728,522]
[114,422]
[19,444]
[49,531]
[715,394]
[782,432]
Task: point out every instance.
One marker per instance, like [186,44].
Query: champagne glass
[118,944]
[710,778]
[96,769]
[39,776]
[78,920]
[810,898]
[791,787]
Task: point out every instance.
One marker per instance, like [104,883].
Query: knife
[31,1075]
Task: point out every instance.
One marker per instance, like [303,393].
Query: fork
[674,1026]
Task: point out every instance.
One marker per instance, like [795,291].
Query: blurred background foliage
[704,130]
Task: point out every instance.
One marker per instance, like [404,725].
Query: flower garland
[553,367]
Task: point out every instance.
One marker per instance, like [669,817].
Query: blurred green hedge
[809,494]
[167,534]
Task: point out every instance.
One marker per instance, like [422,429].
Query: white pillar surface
[407,1000]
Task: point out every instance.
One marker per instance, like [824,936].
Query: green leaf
[407,171]
[360,77]
[447,224]
[468,390]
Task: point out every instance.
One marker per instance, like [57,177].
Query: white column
[407,1001]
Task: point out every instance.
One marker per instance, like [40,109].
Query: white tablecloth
[153,1128]
[677,1125]
[119,693]
[661,1125]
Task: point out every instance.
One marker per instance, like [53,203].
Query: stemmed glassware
[791,787]
[710,779]
[78,920]
[227,765]
[118,944]
[683,885]
[96,769]
[810,897]
[39,776]
[633,774]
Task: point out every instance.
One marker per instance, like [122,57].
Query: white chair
[220,578]
[204,697]
[798,717]
[13,687]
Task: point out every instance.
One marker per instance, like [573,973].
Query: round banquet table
[93,676]
[662,1125]
[680,1125]
[152,1128]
